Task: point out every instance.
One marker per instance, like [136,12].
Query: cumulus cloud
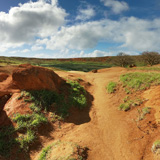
[85,14]
[42,26]
[27,21]
[20,51]
[36,48]
[95,53]
[132,33]
[116,5]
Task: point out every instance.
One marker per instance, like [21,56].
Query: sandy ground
[109,134]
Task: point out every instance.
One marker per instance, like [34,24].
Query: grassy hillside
[77,64]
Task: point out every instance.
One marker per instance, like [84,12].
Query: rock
[94,71]
[4,119]
[132,65]
[14,105]
[3,101]
[3,77]
[28,77]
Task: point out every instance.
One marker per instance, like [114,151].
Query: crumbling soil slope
[23,77]
[109,134]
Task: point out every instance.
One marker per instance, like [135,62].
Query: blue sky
[78,28]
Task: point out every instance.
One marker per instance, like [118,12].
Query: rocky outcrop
[3,77]
[28,77]
[24,77]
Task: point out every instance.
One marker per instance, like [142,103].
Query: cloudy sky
[78,28]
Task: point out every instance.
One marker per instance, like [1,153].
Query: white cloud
[95,53]
[36,48]
[85,14]
[131,33]
[25,51]
[41,25]
[19,51]
[116,5]
[43,55]
[27,21]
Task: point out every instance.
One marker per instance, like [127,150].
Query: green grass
[26,140]
[27,124]
[77,95]
[44,153]
[29,121]
[156,147]
[41,102]
[146,110]
[111,87]
[148,68]
[77,151]
[78,66]
[142,112]
[41,98]
[128,103]
[140,81]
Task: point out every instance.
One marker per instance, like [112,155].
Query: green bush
[124,107]
[26,140]
[77,95]
[111,87]
[140,81]
[128,103]
[29,121]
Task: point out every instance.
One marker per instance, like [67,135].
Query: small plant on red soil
[67,151]
[129,103]
[156,147]
[140,81]
[111,87]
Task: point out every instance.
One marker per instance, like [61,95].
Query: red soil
[23,77]
[109,134]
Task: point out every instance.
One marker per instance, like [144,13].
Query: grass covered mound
[63,151]
[140,81]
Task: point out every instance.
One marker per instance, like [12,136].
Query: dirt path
[110,134]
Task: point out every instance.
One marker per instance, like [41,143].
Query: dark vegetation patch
[47,107]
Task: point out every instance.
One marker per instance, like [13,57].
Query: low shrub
[111,87]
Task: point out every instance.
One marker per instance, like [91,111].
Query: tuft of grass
[27,124]
[140,81]
[76,151]
[146,110]
[29,121]
[27,139]
[54,117]
[124,107]
[156,147]
[34,108]
[44,153]
[111,87]
[143,112]
[128,103]
[41,98]
[77,95]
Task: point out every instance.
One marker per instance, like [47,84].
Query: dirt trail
[110,134]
